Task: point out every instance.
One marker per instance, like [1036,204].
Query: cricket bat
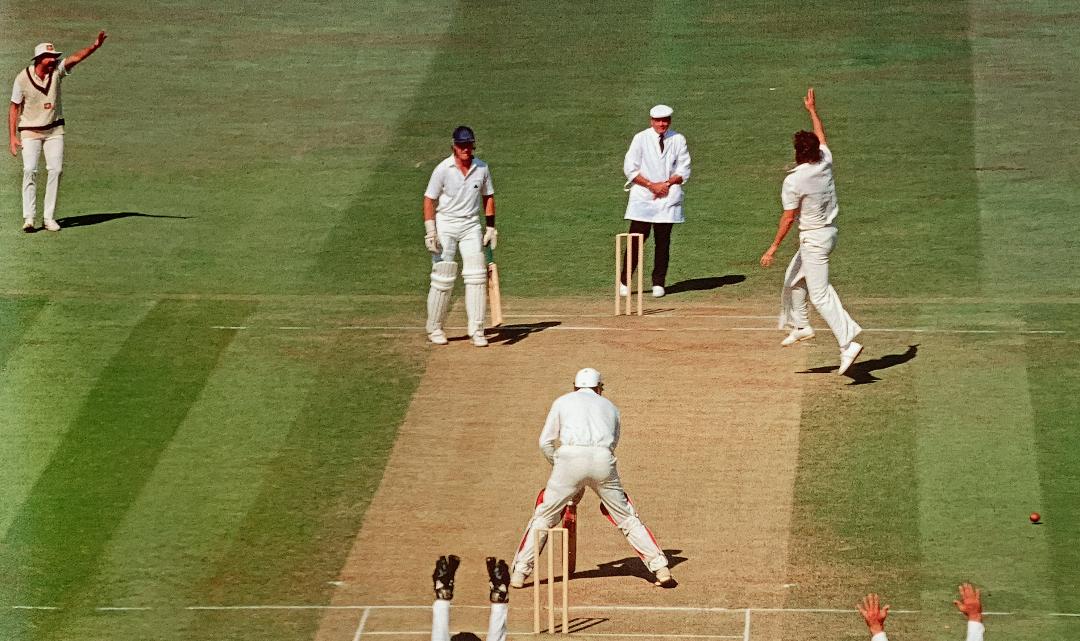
[494,296]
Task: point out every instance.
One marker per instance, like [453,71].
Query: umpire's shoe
[443,576]
[498,580]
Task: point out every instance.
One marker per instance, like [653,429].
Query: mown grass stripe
[46,381]
[111,449]
[978,473]
[16,317]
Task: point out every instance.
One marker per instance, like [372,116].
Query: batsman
[459,189]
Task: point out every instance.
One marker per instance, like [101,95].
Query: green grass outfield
[277,153]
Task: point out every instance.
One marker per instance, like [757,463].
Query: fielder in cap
[656,167]
[579,440]
[459,189]
[36,124]
[809,197]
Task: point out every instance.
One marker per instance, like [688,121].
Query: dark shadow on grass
[860,372]
[511,334]
[83,220]
[704,284]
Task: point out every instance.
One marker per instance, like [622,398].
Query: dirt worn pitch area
[711,409]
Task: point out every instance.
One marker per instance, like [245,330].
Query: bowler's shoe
[798,334]
[848,356]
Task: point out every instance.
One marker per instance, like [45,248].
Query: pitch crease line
[360,626]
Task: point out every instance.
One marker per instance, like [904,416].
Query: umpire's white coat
[645,158]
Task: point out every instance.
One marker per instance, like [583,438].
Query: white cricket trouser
[53,147]
[807,276]
[468,237]
[440,621]
[577,467]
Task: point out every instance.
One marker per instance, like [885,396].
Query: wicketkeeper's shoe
[443,576]
[479,339]
[498,580]
[664,578]
[52,225]
[848,356]
[658,291]
[438,337]
[798,334]
[28,227]
[517,580]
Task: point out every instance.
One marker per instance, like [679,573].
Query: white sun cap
[46,48]
[661,111]
[588,377]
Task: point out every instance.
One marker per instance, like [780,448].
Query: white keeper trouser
[807,276]
[466,236]
[440,621]
[53,146]
[575,468]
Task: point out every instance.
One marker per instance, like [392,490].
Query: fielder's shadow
[860,372]
[577,624]
[704,284]
[628,566]
[512,334]
[84,220]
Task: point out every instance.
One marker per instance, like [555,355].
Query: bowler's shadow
[84,220]
[511,334]
[628,566]
[703,284]
[860,372]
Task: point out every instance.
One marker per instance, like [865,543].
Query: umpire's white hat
[661,111]
[46,49]
[588,377]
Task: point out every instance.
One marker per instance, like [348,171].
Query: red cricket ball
[1034,516]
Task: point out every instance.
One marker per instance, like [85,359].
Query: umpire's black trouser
[662,253]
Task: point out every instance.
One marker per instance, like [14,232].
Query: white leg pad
[474,273]
[443,274]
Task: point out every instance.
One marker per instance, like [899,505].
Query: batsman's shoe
[658,291]
[498,580]
[517,580]
[52,225]
[664,578]
[28,227]
[479,339]
[443,576]
[848,356]
[798,334]
[438,337]
[624,290]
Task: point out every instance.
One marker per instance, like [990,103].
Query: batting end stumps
[552,534]
[630,239]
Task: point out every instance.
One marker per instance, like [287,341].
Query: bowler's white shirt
[459,196]
[644,158]
[809,188]
[580,418]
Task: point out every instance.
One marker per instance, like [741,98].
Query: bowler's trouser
[576,467]
[440,621]
[660,257]
[32,146]
[807,276]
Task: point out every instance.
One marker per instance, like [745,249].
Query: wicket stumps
[538,576]
[630,238]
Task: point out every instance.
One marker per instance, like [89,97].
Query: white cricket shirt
[580,418]
[809,188]
[458,195]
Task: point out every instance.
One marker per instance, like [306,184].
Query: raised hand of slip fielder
[873,613]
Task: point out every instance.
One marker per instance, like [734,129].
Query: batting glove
[491,237]
[431,239]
